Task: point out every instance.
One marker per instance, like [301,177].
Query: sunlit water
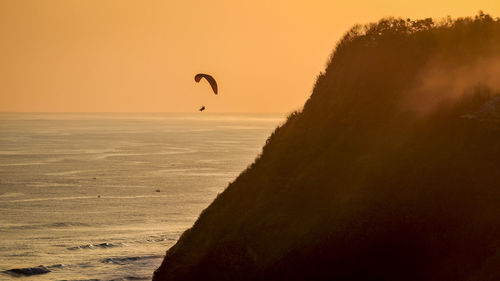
[103,196]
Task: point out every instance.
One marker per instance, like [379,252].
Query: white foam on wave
[125,260]
[103,245]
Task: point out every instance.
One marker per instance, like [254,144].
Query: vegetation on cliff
[390,171]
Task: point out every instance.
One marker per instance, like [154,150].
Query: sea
[102,196]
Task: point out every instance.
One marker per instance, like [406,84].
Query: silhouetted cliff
[390,172]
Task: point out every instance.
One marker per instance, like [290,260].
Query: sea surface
[103,196]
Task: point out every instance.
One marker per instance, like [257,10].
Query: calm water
[103,196]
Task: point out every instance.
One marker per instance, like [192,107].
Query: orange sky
[141,56]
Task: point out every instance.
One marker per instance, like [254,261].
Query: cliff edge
[390,172]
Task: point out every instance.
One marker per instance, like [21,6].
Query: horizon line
[143,112]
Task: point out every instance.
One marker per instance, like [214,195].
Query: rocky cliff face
[390,172]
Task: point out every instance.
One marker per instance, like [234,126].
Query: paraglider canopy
[209,78]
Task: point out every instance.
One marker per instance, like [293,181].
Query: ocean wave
[51,184]
[236,127]
[127,260]
[11,194]
[59,265]
[28,271]
[49,225]
[93,246]
[156,239]
[23,254]
[131,278]
[81,280]
[22,164]
[126,278]
[67,224]
[85,197]
[174,151]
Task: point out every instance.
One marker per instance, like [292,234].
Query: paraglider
[209,78]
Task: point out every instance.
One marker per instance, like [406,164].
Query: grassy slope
[360,185]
